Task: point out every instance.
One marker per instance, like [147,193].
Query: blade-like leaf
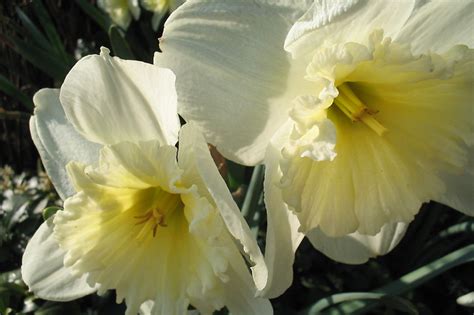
[465,227]
[50,211]
[46,62]
[33,31]
[399,304]
[50,30]
[120,46]
[100,18]
[339,298]
[362,302]
[8,88]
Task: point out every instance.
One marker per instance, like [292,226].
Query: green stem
[254,191]
[404,284]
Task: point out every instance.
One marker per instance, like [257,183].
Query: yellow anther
[164,205]
[154,216]
[353,108]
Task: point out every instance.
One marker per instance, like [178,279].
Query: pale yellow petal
[345,21]
[421,108]
[195,155]
[137,226]
[110,100]
[357,248]
[282,238]
[43,270]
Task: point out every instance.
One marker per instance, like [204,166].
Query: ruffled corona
[400,121]
[364,114]
[154,223]
[137,226]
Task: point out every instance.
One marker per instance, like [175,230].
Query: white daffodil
[121,11]
[153,223]
[364,109]
[160,8]
[466,300]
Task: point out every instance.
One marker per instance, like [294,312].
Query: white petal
[108,235]
[439,25]
[466,300]
[117,10]
[283,237]
[356,248]
[460,188]
[44,272]
[146,308]
[232,71]
[57,141]
[110,100]
[193,150]
[239,291]
[134,7]
[345,21]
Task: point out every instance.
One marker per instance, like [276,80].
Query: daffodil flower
[160,8]
[141,217]
[361,111]
[121,11]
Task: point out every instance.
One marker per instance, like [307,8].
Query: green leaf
[444,242]
[12,288]
[386,293]
[50,211]
[34,32]
[8,88]
[339,298]
[120,46]
[399,304]
[50,30]
[465,227]
[138,40]
[421,275]
[100,18]
[41,58]
[235,175]
[54,308]
[10,294]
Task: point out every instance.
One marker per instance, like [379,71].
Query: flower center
[165,204]
[348,102]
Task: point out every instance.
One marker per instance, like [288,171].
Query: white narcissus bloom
[154,223]
[121,11]
[160,8]
[466,300]
[361,110]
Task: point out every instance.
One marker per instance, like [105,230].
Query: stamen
[353,108]
[164,205]
[153,215]
[143,218]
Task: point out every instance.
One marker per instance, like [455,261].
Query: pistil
[154,216]
[348,102]
[164,205]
